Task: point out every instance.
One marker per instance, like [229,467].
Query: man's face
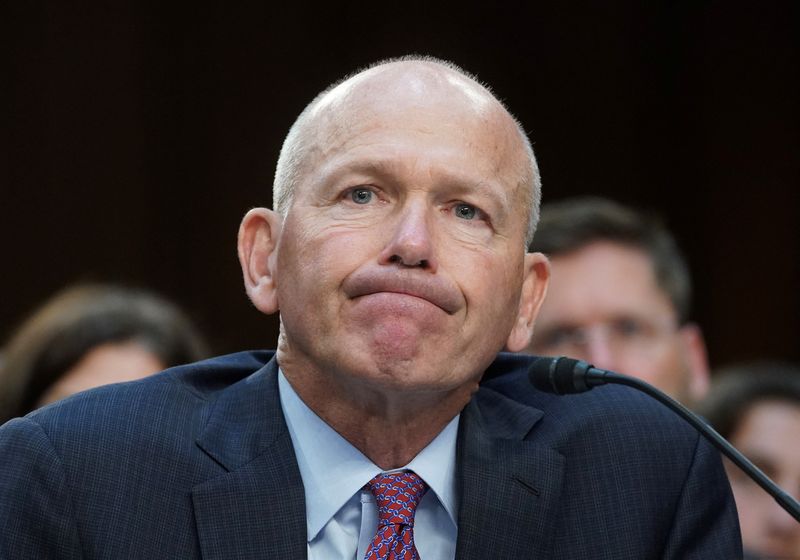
[401,259]
[768,436]
[604,306]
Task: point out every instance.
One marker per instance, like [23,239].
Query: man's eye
[559,338]
[465,211]
[629,328]
[361,196]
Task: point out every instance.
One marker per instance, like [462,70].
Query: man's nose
[599,349]
[411,243]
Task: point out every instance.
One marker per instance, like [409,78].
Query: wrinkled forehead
[424,96]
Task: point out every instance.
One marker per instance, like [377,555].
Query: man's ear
[696,358]
[534,288]
[258,249]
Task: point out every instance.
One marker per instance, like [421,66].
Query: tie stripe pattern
[397,496]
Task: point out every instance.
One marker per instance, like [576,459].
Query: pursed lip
[430,288]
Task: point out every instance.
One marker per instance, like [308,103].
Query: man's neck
[390,427]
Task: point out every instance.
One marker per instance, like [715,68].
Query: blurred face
[768,435]
[402,258]
[102,365]
[604,306]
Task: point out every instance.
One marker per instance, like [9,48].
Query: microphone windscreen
[561,376]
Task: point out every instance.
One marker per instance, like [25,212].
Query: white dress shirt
[342,517]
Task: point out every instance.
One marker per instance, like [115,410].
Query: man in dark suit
[404,199]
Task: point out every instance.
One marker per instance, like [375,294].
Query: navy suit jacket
[197,462]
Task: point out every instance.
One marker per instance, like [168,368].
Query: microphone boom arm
[786,501]
[566,375]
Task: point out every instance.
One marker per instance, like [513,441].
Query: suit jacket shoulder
[605,474]
[193,461]
[197,462]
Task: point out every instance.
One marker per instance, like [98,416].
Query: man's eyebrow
[559,324]
[763,461]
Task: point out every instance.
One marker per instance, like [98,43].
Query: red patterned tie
[397,495]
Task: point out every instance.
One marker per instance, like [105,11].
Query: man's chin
[420,374]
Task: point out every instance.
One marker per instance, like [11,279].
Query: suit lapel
[257,508]
[509,487]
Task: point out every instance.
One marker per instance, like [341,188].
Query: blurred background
[136,135]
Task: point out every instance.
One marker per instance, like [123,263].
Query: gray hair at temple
[571,224]
[296,145]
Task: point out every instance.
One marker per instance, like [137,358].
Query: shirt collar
[333,470]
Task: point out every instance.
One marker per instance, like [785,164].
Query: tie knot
[397,495]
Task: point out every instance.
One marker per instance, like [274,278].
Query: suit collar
[257,508]
[509,486]
[245,419]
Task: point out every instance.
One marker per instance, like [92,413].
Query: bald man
[387,424]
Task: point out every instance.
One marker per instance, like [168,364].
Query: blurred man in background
[619,296]
[756,407]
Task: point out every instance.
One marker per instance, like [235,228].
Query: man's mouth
[430,289]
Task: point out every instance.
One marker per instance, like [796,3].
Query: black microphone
[564,376]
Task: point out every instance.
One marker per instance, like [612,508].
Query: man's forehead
[416,96]
[606,273]
[417,83]
[608,255]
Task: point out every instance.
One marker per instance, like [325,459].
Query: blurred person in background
[91,335]
[756,406]
[619,296]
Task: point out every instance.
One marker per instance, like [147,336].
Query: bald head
[427,91]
